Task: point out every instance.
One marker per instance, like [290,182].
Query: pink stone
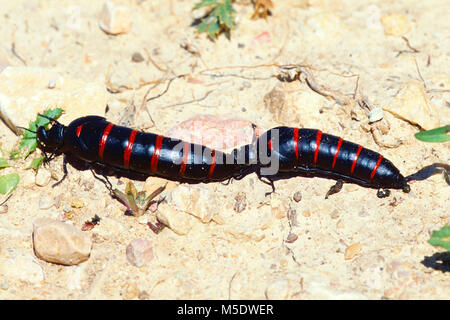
[140,252]
[216,132]
[262,37]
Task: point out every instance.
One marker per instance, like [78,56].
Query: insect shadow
[317,173]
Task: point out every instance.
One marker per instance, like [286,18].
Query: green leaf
[36,163]
[4,163]
[225,14]
[205,3]
[441,238]
[213,29]
[209,25]
[8,183]
[435,135]
[122,197]
[29,141]
[219,19]
[152,196]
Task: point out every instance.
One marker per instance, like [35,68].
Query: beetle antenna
[23,128]
[49,118]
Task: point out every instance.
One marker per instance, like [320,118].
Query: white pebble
[51,84]
[115,19]
[376,114]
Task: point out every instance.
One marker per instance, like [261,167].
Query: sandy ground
[352,245]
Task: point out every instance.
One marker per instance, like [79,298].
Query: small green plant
[441,238]
[8,183]
[4,163]
[218,19]
[28,143]
[137,203]
[441,134]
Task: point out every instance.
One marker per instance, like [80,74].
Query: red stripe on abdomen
[186,151]
[101,146]
[356,159]
[296,142]
[337,152]
[316,151]
[376,167]
[127,153]
[155,156]
[213,164]
[79,130]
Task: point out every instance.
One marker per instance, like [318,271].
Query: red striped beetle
[293,151]
[96,140]
[311,152]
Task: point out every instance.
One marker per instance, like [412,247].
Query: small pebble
[376,114]
[51,84]
[115,19]
[28,179]
[42,177]
[77,204]
[137,57]
[241,202]
[297,196]
[352,251]
[59,242]
[334,214]
[292,237]
[139,252]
